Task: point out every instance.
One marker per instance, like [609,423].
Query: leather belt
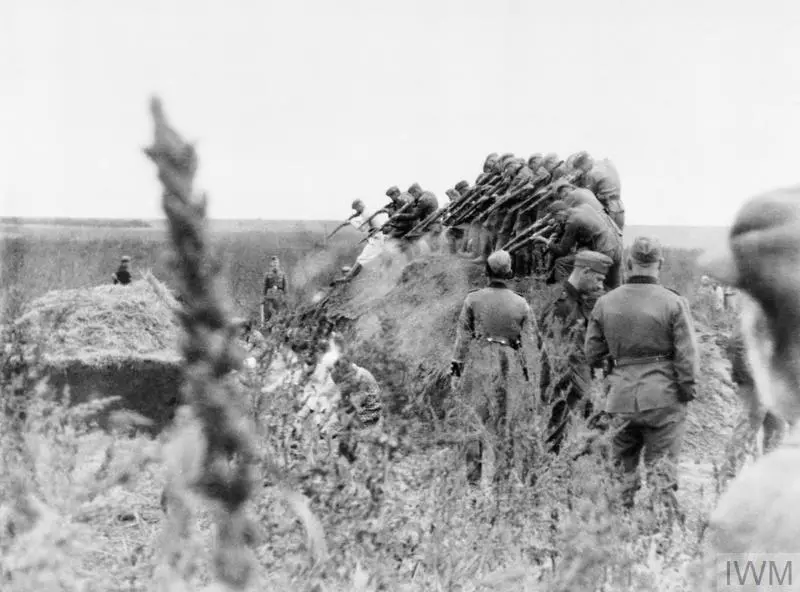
[642,360]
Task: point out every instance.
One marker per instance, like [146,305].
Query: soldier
[586,228]
[493,319]
[360,402]
[123,274]
[757,513]
[275,287]
[489,167]
[425,204]
[646,332]
[398,199]
[582,163]
[563,322]
[375,248]
[606,186]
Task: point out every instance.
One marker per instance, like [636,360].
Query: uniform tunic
[587,228]
[492,320]
[648,332]
[563,325]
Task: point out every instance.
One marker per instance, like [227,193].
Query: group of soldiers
[639,335]
[541,210]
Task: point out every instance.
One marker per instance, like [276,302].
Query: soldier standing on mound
[123,274]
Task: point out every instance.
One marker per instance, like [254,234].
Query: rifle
[343,224]
[389,222]
[536,229]
[504,200]
[475,206]
[532,201]
[425,223]
[455,210]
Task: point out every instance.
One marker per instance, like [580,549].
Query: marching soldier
[647,332]
[497,322]
[123,274]
[563,322]
[275,287]
[757,514]
[602,179]
[424,204]
[584,227]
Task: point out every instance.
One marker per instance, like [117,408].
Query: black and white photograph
[361,296]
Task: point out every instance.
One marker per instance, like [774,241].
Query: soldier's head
[505,157]
[415,190]
[452,194]
[583,162]
[512,167]
[489,163]
[358,206]
[762,259]
[274,262]
[590,271]
[645,257]
[562,188]
[558,209]
[125,261]
[550,161]
[393,192]
[462,187]
[535,161]
[498,265]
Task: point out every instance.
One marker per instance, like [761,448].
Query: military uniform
[274,292]
[563,324]
[604,182]
[587,228]
[648,333]
[492,321]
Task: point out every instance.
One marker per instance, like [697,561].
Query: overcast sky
[299,107]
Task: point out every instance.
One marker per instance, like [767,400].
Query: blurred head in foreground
[762,260]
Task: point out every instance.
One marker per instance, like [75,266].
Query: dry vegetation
[83,507]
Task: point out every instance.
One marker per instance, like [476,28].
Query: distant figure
[274,290]
[123,273]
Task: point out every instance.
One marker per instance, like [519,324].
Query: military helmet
[414,188]
[462,186]
[393,191]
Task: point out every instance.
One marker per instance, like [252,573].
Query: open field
[399,518]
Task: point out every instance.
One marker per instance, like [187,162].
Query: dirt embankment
[413,316]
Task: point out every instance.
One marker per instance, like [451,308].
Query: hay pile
[111,341]
[106,323]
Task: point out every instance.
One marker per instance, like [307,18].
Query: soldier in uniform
[425,204]
[375,248]
[646,332]
[757,514]
[583,227]
[398,199]
[123,274]
[496,322]
[275,287]
[359,404]
[563,324]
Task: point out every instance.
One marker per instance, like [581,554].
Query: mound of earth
[110,341]
[409,319]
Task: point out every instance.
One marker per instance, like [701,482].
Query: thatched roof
[105,324]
